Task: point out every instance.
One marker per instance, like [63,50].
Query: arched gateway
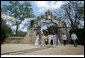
[31,34]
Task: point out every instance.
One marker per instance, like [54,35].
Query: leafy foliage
[18,10]
[32,22]
[5,30]
[73,15]
[21,33]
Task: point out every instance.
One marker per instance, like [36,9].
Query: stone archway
[48,16]
[41,20]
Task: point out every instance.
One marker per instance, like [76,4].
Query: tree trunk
[72,23]
[17,26]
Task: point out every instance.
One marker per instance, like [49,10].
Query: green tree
[32,23]
[6,31]
[21,33]
[18,10]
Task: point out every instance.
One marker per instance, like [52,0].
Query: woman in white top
[49,38]
[37,40]
[56,40]
[64,38]
[43,38]
[74,38]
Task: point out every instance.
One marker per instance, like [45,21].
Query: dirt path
[36,50]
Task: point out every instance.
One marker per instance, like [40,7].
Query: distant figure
[74,38]
[46,40]
[49,39]
[64,38]
[52,37]
[43,39]
[57,40]
[54,40]
[37,40]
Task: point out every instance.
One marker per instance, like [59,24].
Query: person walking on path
[43,39]
[49,40]
[46,40]
[74,38]
[64,38]
[54,40]
[37,40]
[57,40]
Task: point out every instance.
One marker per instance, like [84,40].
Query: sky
[39,8]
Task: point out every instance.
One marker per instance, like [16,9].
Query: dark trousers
[51,42]
[46,42]
[64,42]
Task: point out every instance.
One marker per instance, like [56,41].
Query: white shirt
[64,37]
[37,40]
[49,37]
[52,37]
[73,37]
[43,37]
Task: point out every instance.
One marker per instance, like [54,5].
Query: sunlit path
[29,49]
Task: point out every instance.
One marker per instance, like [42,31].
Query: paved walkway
[28,49]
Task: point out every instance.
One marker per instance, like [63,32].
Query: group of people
[54,39]
[47,40]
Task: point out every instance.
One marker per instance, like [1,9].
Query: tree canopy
[18,10]
[71,13]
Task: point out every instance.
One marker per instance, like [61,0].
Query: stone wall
[13,40]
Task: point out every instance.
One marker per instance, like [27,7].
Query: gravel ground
[30,49]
